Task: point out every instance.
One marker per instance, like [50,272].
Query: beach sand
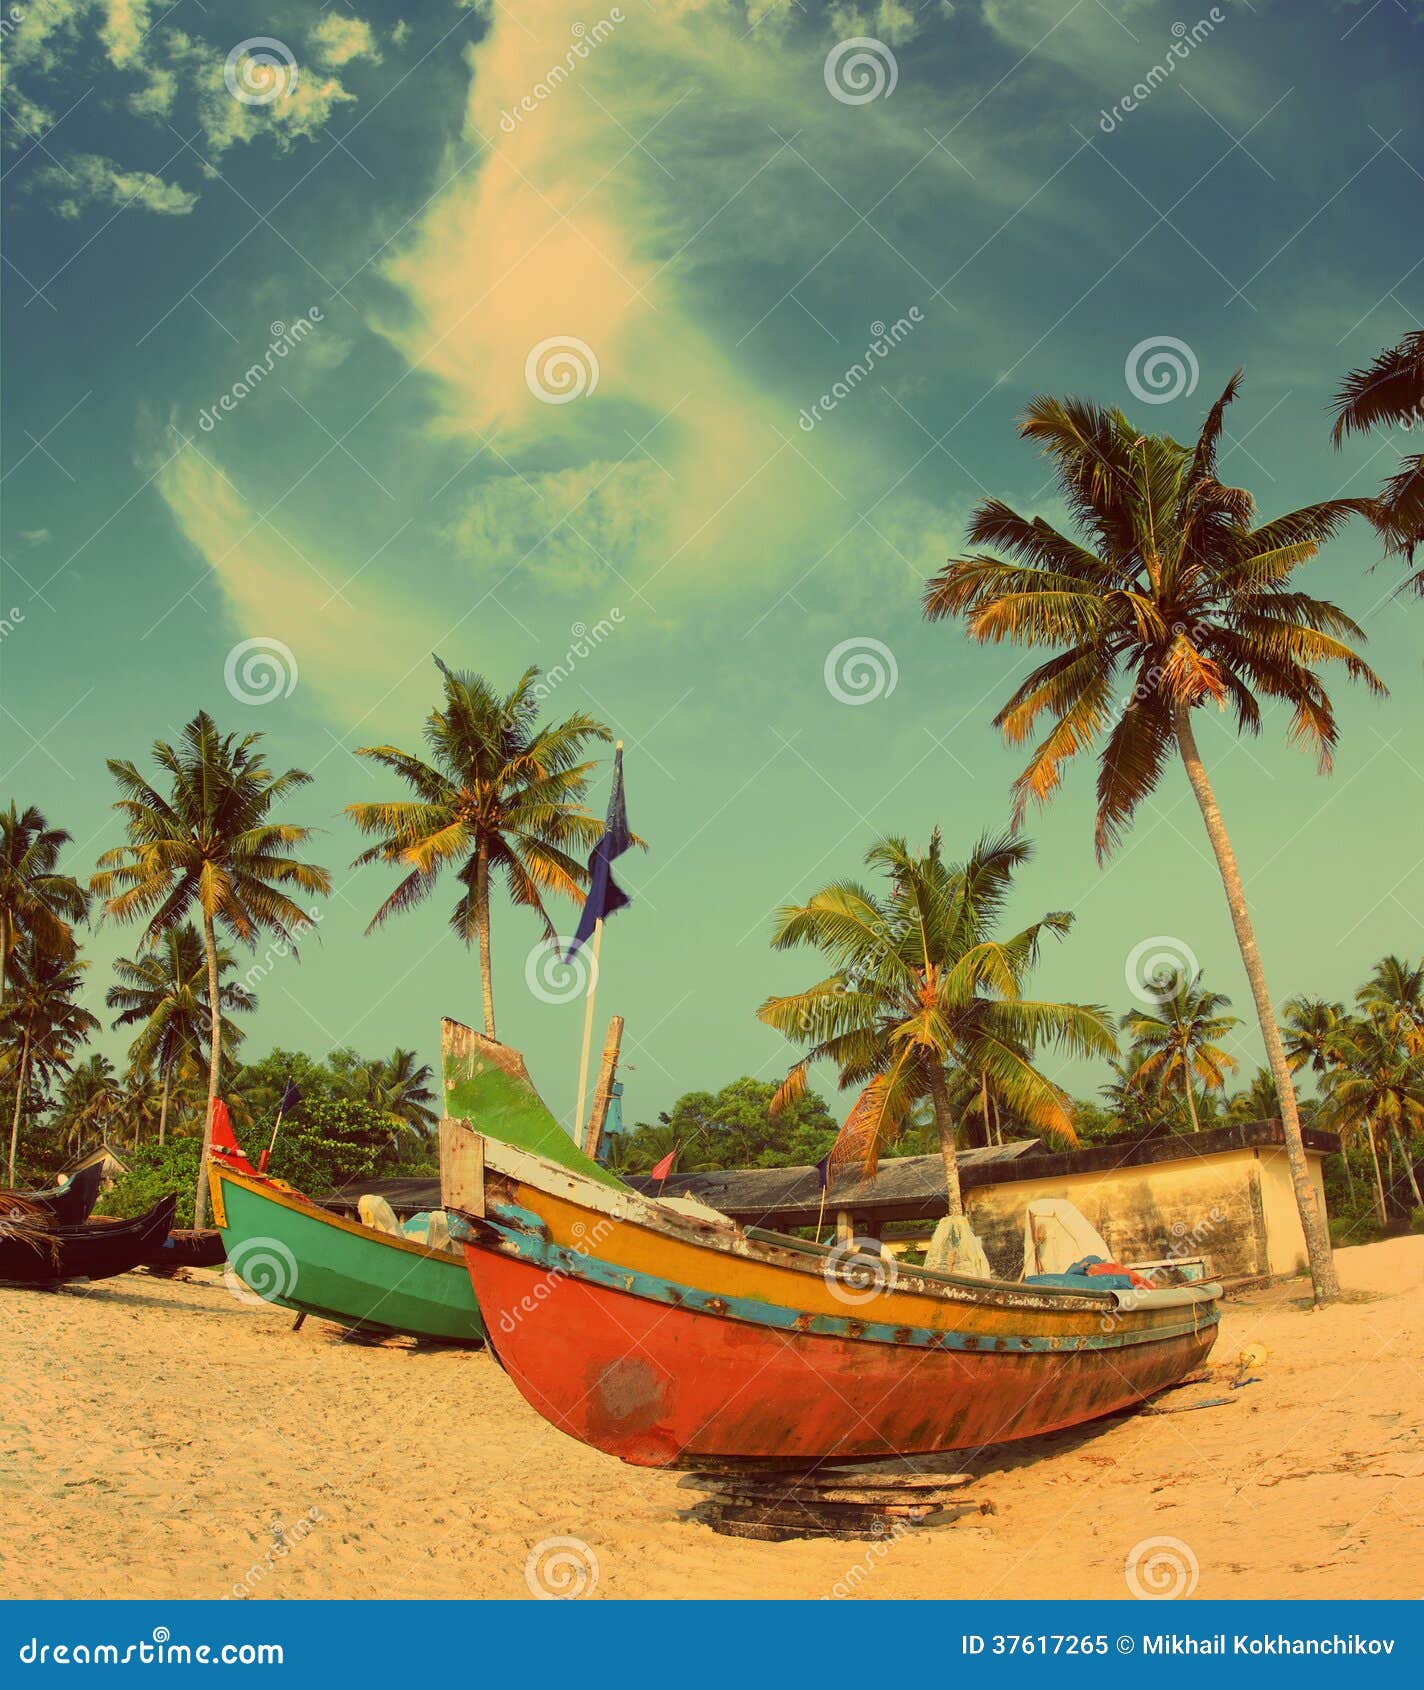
[163,1439]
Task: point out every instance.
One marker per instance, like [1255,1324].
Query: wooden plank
[603,1091]
[462,1168]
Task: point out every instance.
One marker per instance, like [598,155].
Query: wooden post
[587,1029]
[603,1091]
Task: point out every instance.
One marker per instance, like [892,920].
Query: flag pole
[588,1005]
[266,1156]
[587,1030]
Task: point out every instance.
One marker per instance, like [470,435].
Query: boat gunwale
[728,1238]
[558,1261]
[313,1211]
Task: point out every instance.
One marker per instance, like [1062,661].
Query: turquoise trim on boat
[524,1235]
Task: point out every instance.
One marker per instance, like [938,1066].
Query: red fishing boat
[676,1339]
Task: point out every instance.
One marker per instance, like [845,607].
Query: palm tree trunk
[20,1074]
[163,1107]
[1317,1237]
[1380,1209]
[4,957]
[200,1195]
[1191,1101]
[984,1104]
[944,1122]
[1408,1164]
[482,926]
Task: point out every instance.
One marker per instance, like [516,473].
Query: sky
[668,347]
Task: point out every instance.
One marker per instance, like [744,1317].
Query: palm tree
[921,991]
[396,1087]
[1126,1096]
[209,844]
[1179,1041]
[165,992]
[1258,1101]
[1171,598]
[45,1020]
[501,794]
[1311,1025]
[1376,1085]
[90,1097]
[36,901]
[1387,393]
[1396,990]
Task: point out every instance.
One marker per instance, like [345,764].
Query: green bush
[154,1171]
[1416,1220]
[332,1140]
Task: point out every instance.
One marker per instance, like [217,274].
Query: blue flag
[605,895]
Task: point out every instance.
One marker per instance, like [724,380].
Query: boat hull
[71,1202]
[90,1251]
[658,1383]
[292,1253]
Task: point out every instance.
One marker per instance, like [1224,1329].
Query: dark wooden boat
[184,1247]
[71,1200]
[189,1248]
[91,1251]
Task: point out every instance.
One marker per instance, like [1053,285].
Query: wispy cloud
[353,641]
[86,179]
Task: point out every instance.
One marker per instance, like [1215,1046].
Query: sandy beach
[164,1439]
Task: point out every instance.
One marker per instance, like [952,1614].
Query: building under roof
[1223,1197]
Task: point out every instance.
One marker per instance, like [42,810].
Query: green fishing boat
[290,1251]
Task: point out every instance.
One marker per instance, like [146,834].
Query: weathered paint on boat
[663,1385]
[672,1340]
[487,1083]
[293,1253]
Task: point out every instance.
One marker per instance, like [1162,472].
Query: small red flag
[664,1168]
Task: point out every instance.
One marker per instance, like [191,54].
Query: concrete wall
[1236,1209]
[1283,1229]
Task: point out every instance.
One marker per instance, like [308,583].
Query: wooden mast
[603,1091]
